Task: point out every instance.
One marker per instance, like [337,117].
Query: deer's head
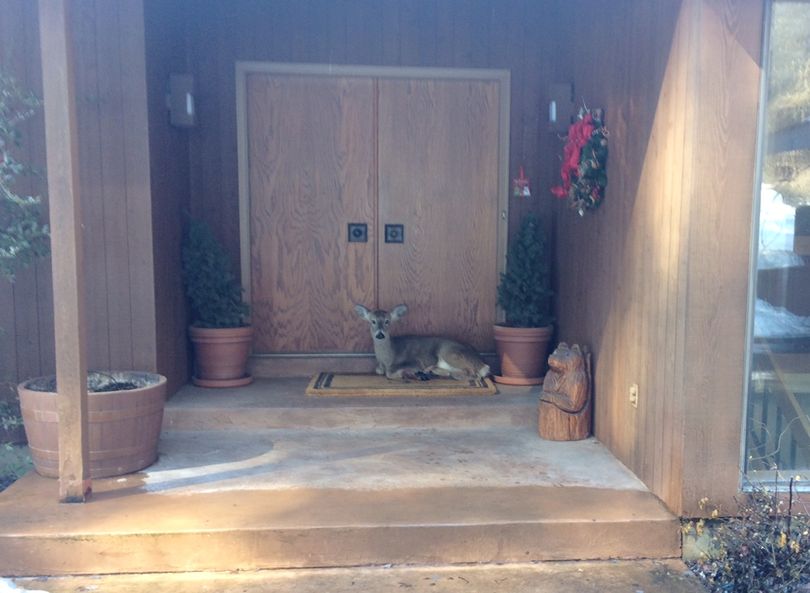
[380,320]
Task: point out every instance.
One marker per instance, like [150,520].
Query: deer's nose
[379,336]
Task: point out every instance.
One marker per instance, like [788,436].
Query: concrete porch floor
[266,477]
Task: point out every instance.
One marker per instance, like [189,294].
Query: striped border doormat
[369,385]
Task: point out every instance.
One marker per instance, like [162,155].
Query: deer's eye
[387,322]
[374,322]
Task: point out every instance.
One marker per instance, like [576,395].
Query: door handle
[358,232]
[395,233]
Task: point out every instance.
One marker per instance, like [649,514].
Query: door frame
[245,68]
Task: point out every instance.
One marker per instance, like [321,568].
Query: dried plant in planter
[766,548]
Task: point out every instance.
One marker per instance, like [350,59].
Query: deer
[418,357]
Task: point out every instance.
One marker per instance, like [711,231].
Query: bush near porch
[15,462]
[765,547]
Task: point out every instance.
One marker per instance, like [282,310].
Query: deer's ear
[362,311]
[399,311]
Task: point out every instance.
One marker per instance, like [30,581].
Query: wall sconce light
[560,106]
[180,101]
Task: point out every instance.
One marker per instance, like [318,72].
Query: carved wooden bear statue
[565,406]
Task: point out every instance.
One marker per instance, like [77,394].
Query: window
[778,414]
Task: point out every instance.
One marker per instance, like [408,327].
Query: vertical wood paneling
[621,260]
[136,187]
[169,172]
[26,325]
[113,179]
[112,149]
[24,328]
[660,272]
[724,135]
[391,32]
[36,141]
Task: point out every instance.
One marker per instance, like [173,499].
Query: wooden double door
[375,190]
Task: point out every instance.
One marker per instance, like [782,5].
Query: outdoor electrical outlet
[634,395]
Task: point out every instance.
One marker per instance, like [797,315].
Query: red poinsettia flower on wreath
[584,162]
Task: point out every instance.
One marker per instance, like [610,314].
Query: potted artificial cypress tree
[220,332]
[524,294]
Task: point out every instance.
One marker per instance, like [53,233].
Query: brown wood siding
[113,146]
[656,281]
[724,134]
[169,166]
[512,34]
[26,314]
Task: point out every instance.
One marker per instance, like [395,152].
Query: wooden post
[66,246]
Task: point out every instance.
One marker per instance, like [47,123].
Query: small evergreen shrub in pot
[220,331]
[524,293]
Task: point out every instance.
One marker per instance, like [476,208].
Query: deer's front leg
[404,373]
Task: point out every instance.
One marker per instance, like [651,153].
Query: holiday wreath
[584,162]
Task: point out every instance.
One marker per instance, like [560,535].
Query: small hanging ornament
[520,185]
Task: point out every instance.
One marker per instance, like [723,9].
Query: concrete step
[281,403]
[248,530]
[241,500]
[668,576]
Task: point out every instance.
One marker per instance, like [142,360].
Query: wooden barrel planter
[125,411]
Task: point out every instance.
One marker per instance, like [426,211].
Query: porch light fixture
[180,101]
[561,108]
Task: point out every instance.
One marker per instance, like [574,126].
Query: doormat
[369,385]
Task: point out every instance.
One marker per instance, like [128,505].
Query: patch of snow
[778,322]
[776,227]
[8,586]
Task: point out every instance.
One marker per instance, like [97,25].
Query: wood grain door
[312,170]
[326,150]
[439,178]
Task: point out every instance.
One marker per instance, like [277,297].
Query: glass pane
[778,434]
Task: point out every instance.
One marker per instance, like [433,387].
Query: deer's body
[403,357]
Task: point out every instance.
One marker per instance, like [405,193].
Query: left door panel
[312,171]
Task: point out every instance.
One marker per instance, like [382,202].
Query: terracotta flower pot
[221,355]
[522,352]
[124,425]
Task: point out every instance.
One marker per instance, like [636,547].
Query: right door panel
[438,176]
